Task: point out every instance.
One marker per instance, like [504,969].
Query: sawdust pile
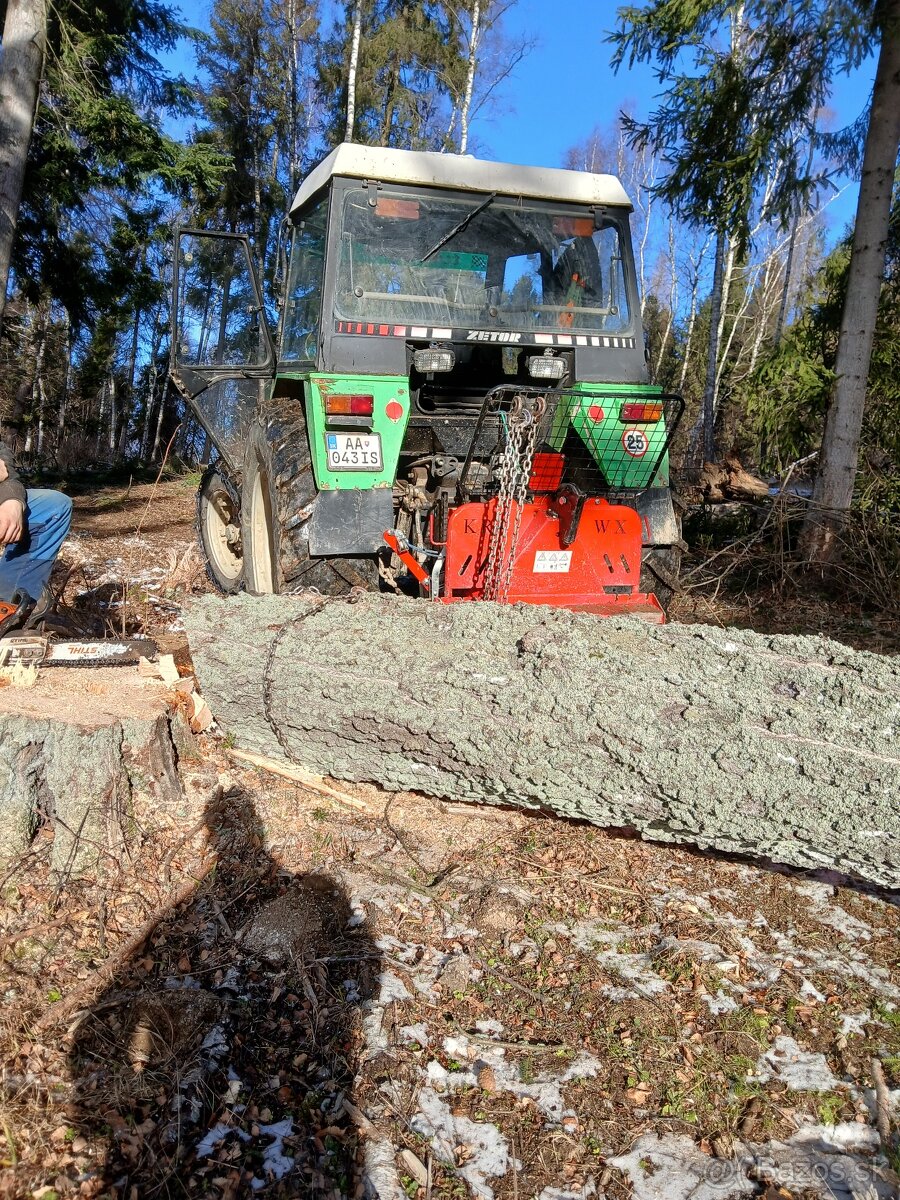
[781,747]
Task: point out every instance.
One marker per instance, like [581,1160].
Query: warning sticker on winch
[552,561]
[635,442]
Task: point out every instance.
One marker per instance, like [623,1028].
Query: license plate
[354,451]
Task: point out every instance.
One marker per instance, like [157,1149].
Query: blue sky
[565,87]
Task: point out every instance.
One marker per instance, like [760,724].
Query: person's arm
[11,486]
[12,498]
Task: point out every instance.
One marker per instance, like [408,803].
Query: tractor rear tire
[276,497]
[218,528]
[659,574]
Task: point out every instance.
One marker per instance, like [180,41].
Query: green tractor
[456,403]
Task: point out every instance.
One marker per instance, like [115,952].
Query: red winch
[567,550]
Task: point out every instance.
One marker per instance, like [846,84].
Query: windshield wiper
[458,228]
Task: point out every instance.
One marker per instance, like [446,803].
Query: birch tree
[21,65]
[352,69]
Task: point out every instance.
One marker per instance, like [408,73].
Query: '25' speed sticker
[635,442]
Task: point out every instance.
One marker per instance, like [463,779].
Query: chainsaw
[33,650]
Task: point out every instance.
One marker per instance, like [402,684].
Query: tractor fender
[660,523]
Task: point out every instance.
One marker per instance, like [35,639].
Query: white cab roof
[424,168]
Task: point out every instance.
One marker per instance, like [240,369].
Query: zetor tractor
[455,405]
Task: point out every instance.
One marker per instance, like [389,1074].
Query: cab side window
[304,297]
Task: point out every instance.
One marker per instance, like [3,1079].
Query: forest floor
[340,985]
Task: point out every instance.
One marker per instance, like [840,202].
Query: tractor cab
[459,343]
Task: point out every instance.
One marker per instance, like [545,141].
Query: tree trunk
[798,219]
[21,65]
[67,383]
[777,747]
[351,73]
[113,415]
[692,318]
[470,77]
[152,376]
[725,292]
[157,439]
[673,302]
[41,396]
[72,753]
[100,415]
[839,455]
[702,445]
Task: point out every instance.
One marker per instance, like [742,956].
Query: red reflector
[350,406]
[595,413]
[546,471]
[393,410]
[641,412]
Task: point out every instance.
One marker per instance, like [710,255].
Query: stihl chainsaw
[33,650]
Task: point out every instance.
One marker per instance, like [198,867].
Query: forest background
[148,116]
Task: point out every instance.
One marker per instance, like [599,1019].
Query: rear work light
[546,367]
[349,406]
[637,413]
[429,361]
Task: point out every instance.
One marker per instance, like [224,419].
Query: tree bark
[351,73]
[773,746]
[839,455]
[21,65]
[474,39]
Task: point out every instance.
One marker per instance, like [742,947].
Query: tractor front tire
[276,502]
[219,530]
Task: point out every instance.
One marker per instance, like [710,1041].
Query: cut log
[73,750]
[786,748]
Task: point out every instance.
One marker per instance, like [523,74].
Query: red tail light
[641,413]
[546,471]
[350,406]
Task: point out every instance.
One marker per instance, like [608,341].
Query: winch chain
[522,425]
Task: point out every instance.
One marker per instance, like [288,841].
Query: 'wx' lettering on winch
[489,335]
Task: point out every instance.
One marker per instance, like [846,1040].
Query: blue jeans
[26,565]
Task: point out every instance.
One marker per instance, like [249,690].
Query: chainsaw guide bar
[32,650]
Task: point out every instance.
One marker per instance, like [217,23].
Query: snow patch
[796,1068]
[719,1003]
[485,1144]
[589,1188]
[855,1022]
[276,1163]
[672,1168]
[545,1091]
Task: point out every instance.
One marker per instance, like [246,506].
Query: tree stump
[786,748]
[74,749]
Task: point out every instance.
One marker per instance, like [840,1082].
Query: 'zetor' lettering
[489,335]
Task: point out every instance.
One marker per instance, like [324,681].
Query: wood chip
[168,672]
[202,718]
[414,1167]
